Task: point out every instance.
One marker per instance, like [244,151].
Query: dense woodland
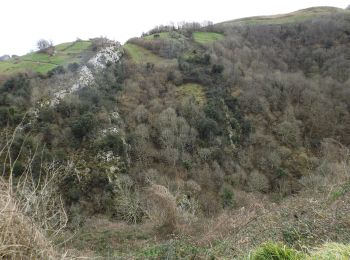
[263,111]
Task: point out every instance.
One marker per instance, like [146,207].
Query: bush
[16,91]
[258,182]
[217,69]
[73,67]
[160,207]
[289,133]
[112,142]
[4,116]
[275,251]
[58,70]
[84,125]
[207,129]
[227,198]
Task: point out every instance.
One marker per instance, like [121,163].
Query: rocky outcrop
[5,57]
[108,55]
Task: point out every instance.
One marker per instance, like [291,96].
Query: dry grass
[160,208]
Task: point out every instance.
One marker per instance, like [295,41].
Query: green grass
[78,47]
[191,90]
[275,251]
[331,251]
[42,63]
[298,16]
[339,192]
[109,242]
[170,250]
[207,37]
[141,55]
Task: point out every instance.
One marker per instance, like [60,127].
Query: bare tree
[32,213]
[45,46]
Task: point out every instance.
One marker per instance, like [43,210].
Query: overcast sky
[24,22]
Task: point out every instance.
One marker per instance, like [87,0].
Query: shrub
[258,182]
[58,70]
[207,128]
[73,67]
[84,125]
[127,201]
[227,197]
[112,142]
[4,116]
[289,133]
[160,207]
[275,251]
[217,69]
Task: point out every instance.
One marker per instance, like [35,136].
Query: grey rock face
[5,57]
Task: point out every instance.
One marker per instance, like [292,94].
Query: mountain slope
[197,141]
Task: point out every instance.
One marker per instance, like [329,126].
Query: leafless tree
[44,44]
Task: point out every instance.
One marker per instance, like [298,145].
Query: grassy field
[141,55]
[42,63]
[294,17]
[207,37]
[191,89]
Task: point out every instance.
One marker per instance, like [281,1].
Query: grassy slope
[207,37]
[141,55]
[293,17]
[42,63]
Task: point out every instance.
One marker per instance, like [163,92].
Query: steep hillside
[192,142]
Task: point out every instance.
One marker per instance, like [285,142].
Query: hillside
[290,18]
[64,54]
[202,141]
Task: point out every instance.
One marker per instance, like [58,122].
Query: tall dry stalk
[32,213]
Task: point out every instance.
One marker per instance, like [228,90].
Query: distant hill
[298,16]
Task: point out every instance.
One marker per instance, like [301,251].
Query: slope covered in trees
[195,141]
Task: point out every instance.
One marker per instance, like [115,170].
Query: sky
[24,22]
